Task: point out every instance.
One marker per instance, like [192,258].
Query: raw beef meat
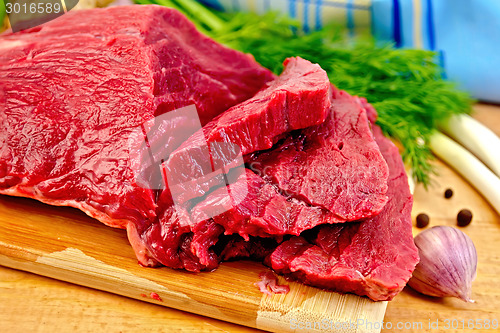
[298,98]
[375,257]
[341,152]
[251,206]
[73,91]
[83,101]
[269,284]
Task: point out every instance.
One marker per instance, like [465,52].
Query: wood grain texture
[31,302]
[65,244]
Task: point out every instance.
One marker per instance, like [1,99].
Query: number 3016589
[33,8]
[470,324]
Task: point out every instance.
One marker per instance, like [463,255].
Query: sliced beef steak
[375,257]
[298,98]
[73,91]
[250,206]
[336,165]
[179,241]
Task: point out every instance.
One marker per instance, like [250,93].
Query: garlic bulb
[448,261]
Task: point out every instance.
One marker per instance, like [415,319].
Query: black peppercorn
[422,220]
[448,193]
[464,217]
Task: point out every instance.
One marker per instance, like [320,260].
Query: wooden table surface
[32,303]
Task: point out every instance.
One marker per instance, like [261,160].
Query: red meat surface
[336,165]
[75,90]
[298,98]
[374,258]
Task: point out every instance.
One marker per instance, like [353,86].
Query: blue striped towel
[465,33]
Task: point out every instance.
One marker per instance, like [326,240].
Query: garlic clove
[448,262]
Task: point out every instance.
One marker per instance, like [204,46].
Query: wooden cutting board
[65,244]
[34,303]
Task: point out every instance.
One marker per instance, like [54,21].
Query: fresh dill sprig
[405,86]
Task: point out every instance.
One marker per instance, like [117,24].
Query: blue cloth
[464,33]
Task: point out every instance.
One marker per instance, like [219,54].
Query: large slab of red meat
[73,91]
